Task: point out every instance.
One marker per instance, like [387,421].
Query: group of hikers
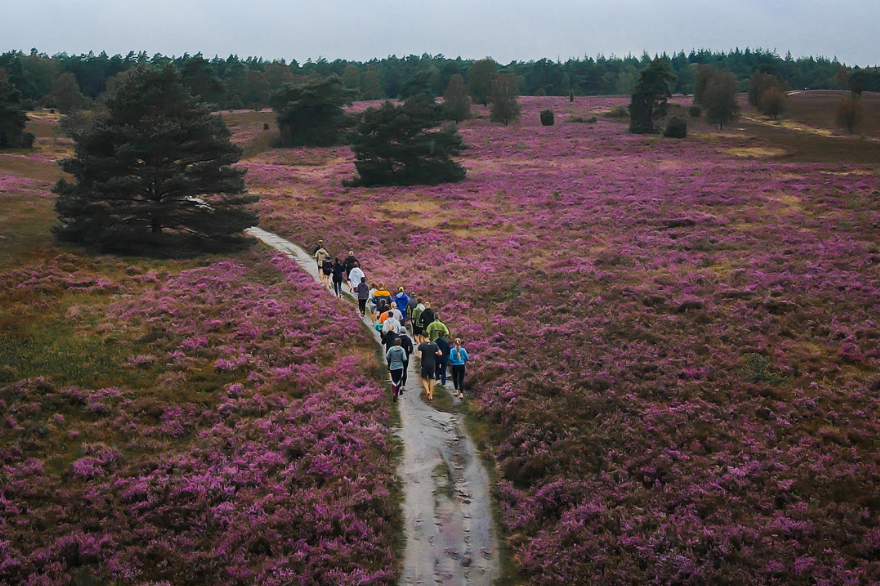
[390,315]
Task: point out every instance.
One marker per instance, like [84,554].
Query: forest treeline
[68,81]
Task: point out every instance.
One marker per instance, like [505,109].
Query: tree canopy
[312,114]
[479,79]
[504,99]
[721,98]
[648,100]
[12,117]
[402,145]
[156,167]
[221,80]
[456,101]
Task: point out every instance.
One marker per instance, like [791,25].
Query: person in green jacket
[436,329]
[418,327]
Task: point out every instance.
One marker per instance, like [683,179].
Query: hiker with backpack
[415,319]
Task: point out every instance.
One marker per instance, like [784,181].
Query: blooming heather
[257,453]
[675,342]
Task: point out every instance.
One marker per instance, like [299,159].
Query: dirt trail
[450,538]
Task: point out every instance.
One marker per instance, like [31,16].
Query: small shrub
[547,118]
[677,127]
[571,96]
[758,370]
[695,111]
[582,120]
[265,126]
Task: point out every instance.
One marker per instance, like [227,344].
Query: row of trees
[153,166]
[232,82]
[716,92]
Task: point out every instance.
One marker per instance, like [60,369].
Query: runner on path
[326,270]
[321,253]
[442,360]
[396,358]
[363,295]
[458,356]
[355,275]
[427,315]
[407,345]
[338,276]
[436,329]
[350,261]
[382,294]
[402,300]
[318,247]
[416,321]
[428,353]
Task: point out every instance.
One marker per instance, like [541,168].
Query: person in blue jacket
[458,356]
[402,300]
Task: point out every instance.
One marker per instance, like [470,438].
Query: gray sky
[506,30]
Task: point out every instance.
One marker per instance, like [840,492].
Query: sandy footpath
[450,538]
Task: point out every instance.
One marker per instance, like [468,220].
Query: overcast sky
[503,29]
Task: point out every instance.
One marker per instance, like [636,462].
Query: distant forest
[248,83]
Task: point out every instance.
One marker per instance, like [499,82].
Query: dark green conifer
[12,117]
[157,166]
[311,114]
[648,100]
[402,145]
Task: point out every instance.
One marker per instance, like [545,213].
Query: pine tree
[154,169]
[12,117]
[255,91]
[456,101]
[648,100]
[311,114]
[504,99]
[401,145]
[202,81]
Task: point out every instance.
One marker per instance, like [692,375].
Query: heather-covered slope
[222,424]
[675,342]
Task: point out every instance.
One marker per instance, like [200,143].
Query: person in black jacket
[326,270]
[363,295]
[442,361]
[407,345]
[338,277]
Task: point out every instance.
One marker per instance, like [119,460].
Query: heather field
[675,342]
[675,370]
[219,421]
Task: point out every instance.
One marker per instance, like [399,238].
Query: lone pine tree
[155,167]
[648,100]
[401,145]
[311,114]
